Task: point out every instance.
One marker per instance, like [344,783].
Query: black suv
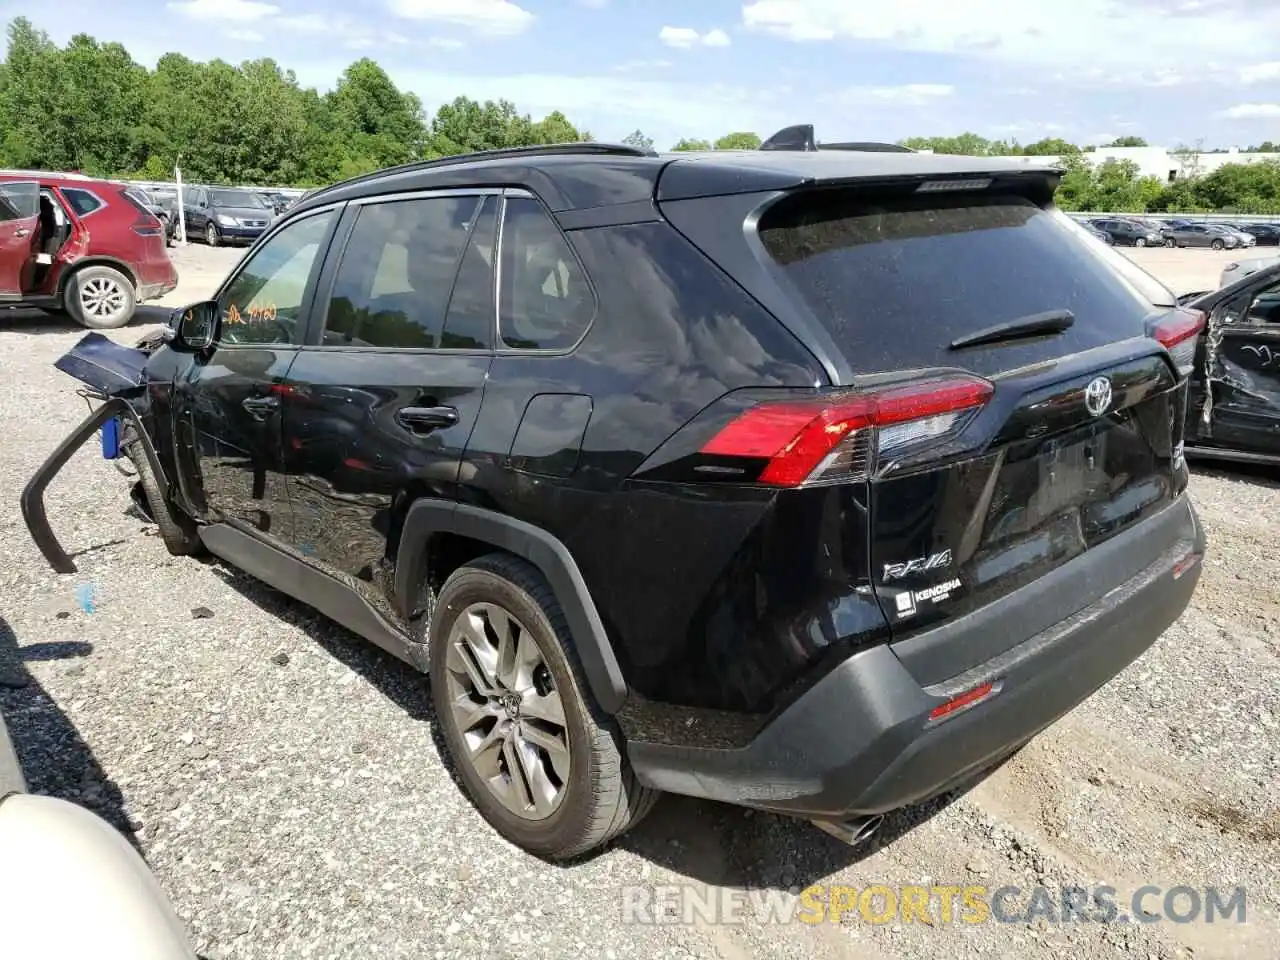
[814,480]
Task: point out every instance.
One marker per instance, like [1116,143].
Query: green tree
[638,140]
[1128,142]
[692,145]
[738,141]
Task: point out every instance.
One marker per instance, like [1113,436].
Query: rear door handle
[423,419]
[260,407]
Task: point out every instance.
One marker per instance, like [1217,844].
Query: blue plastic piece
[111,439]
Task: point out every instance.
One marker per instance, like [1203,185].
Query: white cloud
[906,95]
[1252,111]
[309,23]
[612,105]
[238,11]
[686,37]
[1260,72]
[1114,32]
[630,66]
[446,43]
[244,35]
[489,17]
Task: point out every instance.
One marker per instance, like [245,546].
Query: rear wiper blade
[1037,324]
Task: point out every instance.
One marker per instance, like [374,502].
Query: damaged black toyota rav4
[816,480]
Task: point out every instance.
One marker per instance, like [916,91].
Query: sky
[1172,71]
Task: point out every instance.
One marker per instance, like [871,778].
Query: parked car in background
[1157,226]
[1097,234]
[225,214]
[1246,239]
[1128,233]
[86,246]
[867,559]
[1266,234]
[1242,268]
[1205,235]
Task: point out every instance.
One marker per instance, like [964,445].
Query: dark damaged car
[815,480]
[1234,409]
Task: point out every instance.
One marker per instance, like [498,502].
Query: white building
[1165,165]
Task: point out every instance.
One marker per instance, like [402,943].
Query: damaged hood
[105,365]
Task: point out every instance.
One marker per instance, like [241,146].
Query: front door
[228,407]
[381,401]
[1241,357]
[19,216]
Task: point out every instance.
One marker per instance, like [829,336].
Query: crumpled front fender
[33,509]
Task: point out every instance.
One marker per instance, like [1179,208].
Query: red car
[75,243]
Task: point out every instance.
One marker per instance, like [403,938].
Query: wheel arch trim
[427,517]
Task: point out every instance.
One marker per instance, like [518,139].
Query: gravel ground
[283,778]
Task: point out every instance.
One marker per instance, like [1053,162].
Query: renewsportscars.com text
[688,904]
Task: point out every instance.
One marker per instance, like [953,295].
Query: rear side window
[896,279]
[392,286]
[82,201]
[546,302]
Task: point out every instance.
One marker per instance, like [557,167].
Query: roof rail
[586,148]
[801,137]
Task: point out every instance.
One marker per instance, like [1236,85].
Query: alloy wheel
[102,298]
[508,712]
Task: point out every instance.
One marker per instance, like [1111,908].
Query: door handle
[423,419]
[260,407]
[20,232]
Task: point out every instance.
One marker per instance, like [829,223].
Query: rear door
[1239,405]
[382,399]
[19,216]
[1045,417]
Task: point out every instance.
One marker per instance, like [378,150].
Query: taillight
[849,438]
[1178,333]
[144,228]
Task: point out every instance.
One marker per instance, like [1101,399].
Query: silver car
[1242,268]
[1205,235]
[1246,239]
[71,887]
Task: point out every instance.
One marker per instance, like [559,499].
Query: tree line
[89,106]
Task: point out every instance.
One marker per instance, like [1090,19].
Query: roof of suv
[584,175]
[50,176]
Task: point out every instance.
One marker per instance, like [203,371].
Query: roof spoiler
[801,138]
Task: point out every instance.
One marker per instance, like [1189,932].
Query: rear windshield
[904,276]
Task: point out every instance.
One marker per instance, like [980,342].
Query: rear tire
[538,759]
[1170,242]
[1140,242]
[100,298]
[1218,245]
[179,532]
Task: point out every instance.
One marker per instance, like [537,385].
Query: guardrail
[1164,217]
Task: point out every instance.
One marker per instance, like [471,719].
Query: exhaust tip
[855,831]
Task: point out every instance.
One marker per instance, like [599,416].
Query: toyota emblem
[1097,396]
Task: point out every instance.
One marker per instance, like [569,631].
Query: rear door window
[897,279]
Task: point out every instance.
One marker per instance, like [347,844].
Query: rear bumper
[861,741]
[153,291]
